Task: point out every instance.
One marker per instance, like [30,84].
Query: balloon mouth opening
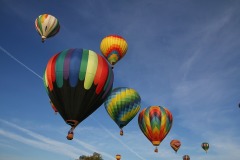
[121,132]
[72,123]
[155,143]
[43,39]
[113,63]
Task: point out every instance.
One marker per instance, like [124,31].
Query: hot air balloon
[186,157]
[175,144]
[113,47]
[118,157]
[47,26]
[155,123]
[77,82]
[53,107]
[122,105]
[205,146]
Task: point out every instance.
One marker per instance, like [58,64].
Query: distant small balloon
[114,48]
[118,157]
[47,26]
[175,144]
[186,157]
[205,146]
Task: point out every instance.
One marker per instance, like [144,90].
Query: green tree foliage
[95,156]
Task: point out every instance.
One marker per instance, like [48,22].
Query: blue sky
[183,55]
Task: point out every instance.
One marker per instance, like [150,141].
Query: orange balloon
[175,144]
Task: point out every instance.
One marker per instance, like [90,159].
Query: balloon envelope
[155,123]
[113,47]
[77,82]
[118,157]
[175,144]
[186,157]
[205,146]
[122,105]
[47,26]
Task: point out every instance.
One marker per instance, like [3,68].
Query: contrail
[126,146]
[18,61]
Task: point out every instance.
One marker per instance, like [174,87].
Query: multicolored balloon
[155,123]
[186,157]
[205,146]
[113,47]
[77,82]
[175,144]
[47,26]
[122,105]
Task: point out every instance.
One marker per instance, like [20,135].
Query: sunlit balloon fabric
[205,146]
[186,157]
[47,26]
[113,47]
[155,123]
[122,105]
[118,157]
[78,82]
[175,144]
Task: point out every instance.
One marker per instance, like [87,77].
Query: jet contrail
[15,59]
[126,146]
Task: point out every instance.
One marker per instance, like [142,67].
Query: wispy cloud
[122,143]
[41,142]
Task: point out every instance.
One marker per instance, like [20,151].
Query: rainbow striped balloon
[155,123]
[47,26]
[122,105]
[78,82]
[113,47]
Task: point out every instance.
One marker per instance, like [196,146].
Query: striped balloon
[122,105]
[155,123]
[113,47]
[78,82]
[47,26]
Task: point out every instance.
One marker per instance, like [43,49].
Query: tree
[95,156]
